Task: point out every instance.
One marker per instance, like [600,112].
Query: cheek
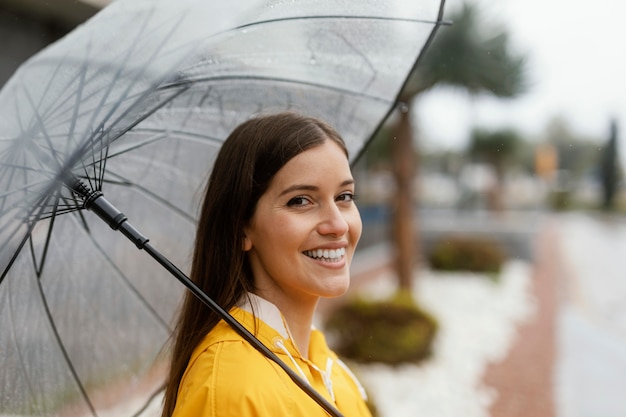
[282,231]
[356,225]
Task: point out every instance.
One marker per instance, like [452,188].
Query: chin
[336,291]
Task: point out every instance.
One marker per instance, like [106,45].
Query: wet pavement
[591,337]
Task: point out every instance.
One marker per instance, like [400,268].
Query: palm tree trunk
[403,219]
[496,192]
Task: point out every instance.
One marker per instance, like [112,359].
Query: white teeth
[328,254]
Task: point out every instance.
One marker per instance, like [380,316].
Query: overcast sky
[576,66]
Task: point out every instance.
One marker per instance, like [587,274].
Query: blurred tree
[496,148]
[470,55]
[609,169]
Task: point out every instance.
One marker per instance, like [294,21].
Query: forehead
[327,159]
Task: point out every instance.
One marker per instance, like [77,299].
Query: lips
[328,255]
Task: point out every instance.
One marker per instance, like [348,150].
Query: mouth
[326,255]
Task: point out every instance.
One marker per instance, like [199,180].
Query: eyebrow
[306,187]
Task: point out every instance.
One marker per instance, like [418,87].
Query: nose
[333,221]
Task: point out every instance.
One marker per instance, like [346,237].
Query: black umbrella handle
[115,218]
[95,201]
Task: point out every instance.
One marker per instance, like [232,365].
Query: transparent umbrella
[133,105]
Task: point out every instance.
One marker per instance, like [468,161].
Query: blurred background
[510,134]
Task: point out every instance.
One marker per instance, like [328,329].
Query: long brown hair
[248,160]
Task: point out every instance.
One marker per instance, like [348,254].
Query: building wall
[28,26]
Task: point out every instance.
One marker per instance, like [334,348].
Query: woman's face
[305,228]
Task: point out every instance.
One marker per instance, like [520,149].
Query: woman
[277,231]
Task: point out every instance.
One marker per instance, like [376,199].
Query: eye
[299,201]
[347,197]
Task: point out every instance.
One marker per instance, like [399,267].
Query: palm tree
[465,55]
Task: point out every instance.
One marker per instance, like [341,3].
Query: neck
[299,317]
[299,320]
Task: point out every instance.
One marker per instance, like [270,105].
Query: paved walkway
[524,380]
[570,360]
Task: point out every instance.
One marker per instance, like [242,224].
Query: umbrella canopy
[136,103]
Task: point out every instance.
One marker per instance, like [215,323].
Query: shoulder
[231,375]
[223,353]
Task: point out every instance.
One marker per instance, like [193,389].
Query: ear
[246,243]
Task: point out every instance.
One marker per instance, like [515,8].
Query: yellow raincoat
[227,377]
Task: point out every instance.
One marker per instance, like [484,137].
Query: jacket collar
[265,311]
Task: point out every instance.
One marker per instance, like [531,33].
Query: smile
[328,255]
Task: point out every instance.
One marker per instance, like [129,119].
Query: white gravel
[478,319]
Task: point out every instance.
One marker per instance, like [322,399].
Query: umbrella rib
[105,96]
[77,102]
[42,125]
[104,155]
[46,89]
[280,80]
[126,93]
[61,346]
[83,221]
[123,181]
[65,208]
[50,321]
[116,78]
[159,135]
[20,246]
[70,206]
[16,252]
[136,122]
[24,188]
[437,23]
[50,82]
[180,134]
[23,362]
[332,17]
[149,400]
[110,85]
[42,261]
[129,284]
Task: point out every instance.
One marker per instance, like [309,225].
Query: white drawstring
[278,342]
[326,376]
[328,382]
[354,378]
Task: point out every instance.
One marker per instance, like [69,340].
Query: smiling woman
[304,219]
[277,231]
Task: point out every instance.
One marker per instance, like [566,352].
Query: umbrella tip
[78,187]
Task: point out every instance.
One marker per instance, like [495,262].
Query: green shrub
[560,200]
[463,253]
[392,331]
